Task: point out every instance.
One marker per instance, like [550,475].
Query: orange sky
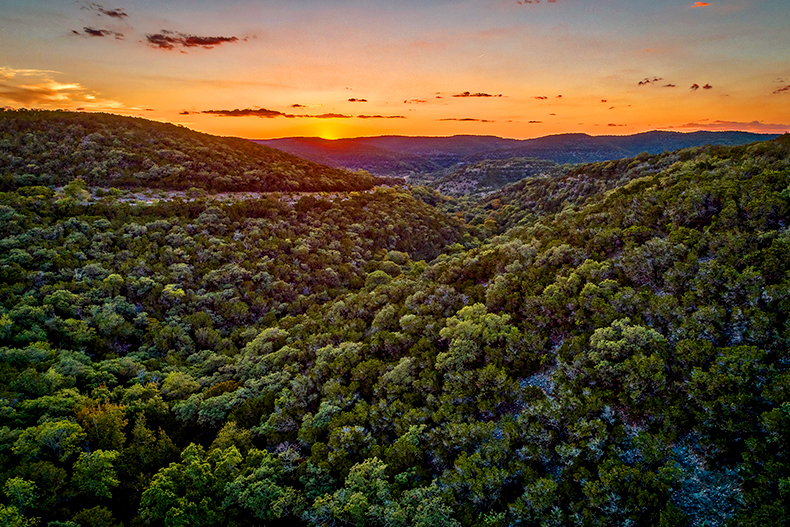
[339,68]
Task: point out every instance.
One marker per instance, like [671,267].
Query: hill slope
[52,148]
[607,347]
[487,176]
[430,157]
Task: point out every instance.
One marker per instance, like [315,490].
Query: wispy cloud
[354,99]
[469,94]
[168,40]
[415,101]
[648,80]
[700,4]
[271,114]
[694,87]
[786,89]
[381,117]
[753,126]
[466,119]
[10,73]
[92,32]
[529,2]
[39,88]
[100,10]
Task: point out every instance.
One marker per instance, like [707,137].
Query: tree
[95,474]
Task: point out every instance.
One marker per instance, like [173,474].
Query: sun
[326,131]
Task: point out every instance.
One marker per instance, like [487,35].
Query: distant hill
[429,158]
[490,175]
[55,147]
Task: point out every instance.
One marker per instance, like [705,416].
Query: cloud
[31,87]
[43,92]
[357,100]
[417,101]
[167,39]
[381,117]
[541,97]
[469,94]
[10,73]
[753,126]
[782,90]
[249,112]
[271,114]
[603,100]
[187,112]
[694,87]
[700,4]
[616,125]
[648,80]
[100,10]
[669,86]
[535,122]
[707,87]
[466,119]
[297,106]
[91,32]
[527,2]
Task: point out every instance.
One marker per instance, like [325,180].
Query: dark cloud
[469,94]
[616,125]
[535,122]
[249,112]
[603,100]
[694,87]
[114,13]
[466,119]
[541,97]
[381,117]
[417,101]
[357,100]
[166,39]
[298,106]
[707,87]
[648,80]
[782,90]
[271,114]
[187,112]
[93,32]
[559,96]
[668,86]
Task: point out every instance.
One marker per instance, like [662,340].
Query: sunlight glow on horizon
[402,68]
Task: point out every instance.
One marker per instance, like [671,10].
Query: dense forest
[604,346]
[54,147]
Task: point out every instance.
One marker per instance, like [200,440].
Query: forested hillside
[54,147]
[488,176]
[607,347]
[425,159]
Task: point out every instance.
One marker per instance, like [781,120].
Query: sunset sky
[345,68]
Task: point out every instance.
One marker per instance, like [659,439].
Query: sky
[349,68]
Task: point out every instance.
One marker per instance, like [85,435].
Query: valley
[198,330]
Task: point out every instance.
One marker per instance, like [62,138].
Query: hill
[605,346]
[55,147]
[429,158]
[488,176]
